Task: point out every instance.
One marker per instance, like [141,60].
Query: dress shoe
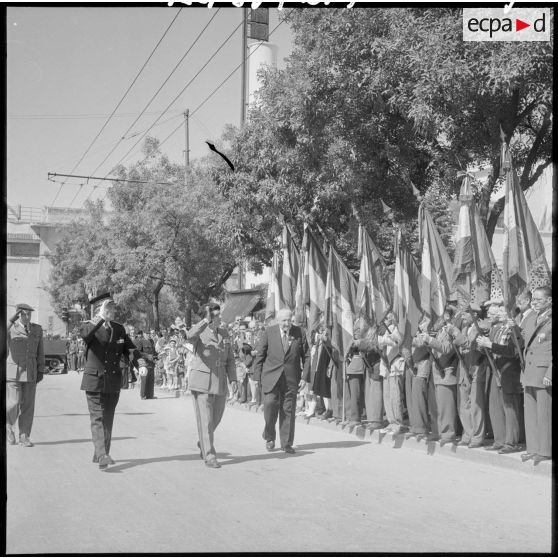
[508,449]
[213,463]
[444,442]
[104,461]
[201,453]
[494,447]
[25,441]
[290,449]
[538,458]
[473,445]
[527,456]
[309,416]
[10,436]
[353,423]
[110,460]
[270,445]
[95,459]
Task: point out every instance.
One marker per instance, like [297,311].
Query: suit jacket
[212,360]
[538,352]
[473,362]
[103,353]
[146,348]
[271,360]
[26,357]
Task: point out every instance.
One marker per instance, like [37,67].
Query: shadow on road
[331,445]
[278,454]
[122,465]
[80,441]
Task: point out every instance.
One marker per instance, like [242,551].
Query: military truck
[56,361]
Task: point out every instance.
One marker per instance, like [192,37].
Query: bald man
[282,354]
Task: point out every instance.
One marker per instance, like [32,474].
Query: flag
[340,297]
[474,260]
[313,280]
[273,302]
[288,277]
[436,268]
[373,298]
[406,292]
[523,245]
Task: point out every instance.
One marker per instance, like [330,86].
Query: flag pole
[344,381]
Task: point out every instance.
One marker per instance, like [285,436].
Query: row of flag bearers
[435,354]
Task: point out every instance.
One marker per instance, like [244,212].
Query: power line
[221,84]
[121,100]
[176,98]
[158,90]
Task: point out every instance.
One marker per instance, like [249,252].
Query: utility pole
[243,60]
[187,130]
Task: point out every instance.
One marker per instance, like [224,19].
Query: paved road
[336,494]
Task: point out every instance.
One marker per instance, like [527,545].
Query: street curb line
[398,441]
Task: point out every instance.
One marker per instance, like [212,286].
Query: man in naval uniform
[105,341]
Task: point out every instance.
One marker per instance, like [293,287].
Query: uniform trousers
[374,400]
[393,400]
[472,409]
[446,401]
[505,415]
[147,383]
[355,385]
[538,420]
[280,402]
[20,404]
[101,412]
[209,409]
[418,413]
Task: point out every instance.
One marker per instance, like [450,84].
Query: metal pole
[187,131]
[344,381]
[243,60]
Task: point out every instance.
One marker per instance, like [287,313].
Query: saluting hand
[547,382]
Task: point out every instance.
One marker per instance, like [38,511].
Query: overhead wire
[158,90]
[173,101]
[121,100]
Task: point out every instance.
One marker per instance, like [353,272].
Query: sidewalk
[480,455]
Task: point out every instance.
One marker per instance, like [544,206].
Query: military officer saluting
[24,370]
[106,341]
[212,364]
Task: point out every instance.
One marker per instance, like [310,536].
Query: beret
[99,298]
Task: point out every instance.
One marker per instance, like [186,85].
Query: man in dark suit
[106,341]
[146,347]
[537,379]
[281,355]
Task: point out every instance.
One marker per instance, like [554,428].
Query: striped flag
[436,270]
[373,298]
[288,277]
[313,280]
[273,301]
[406,291]
[474,260]
[340,298]
[523,246]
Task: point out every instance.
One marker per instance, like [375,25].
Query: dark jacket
[271,360]
[506,359]
[104,350]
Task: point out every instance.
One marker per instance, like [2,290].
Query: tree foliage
[372,100]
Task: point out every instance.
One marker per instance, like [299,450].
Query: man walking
[24,370]
[212,363]
[281,355]
[106,341]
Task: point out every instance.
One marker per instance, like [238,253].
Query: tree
[372,100]
[163,233]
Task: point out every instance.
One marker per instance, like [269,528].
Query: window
[24,249]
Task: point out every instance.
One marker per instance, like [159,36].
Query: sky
[68,68]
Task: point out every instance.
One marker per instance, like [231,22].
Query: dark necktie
[285,342]
[26,329]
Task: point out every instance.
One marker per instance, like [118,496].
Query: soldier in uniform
[144,344]
[106,341]
[537,379]
[212,363]
[24,370]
